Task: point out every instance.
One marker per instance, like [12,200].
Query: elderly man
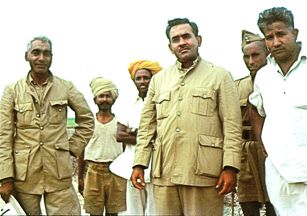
[251,185]
[34,146]
[192,112]
[280,96]
[138,202]
[102,189]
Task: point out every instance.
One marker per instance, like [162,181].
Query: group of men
[191,131]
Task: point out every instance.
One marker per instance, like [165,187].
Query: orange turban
[154,67]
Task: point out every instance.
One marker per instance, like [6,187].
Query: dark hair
[178,21]
[275,14]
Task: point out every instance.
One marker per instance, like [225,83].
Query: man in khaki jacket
[192,110]
[35,152]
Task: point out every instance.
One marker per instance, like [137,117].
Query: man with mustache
[252,192]
[280,97]
[138,202]
[103,190]
[35,152]
[192,112]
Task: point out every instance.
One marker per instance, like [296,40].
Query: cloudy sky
[100,38]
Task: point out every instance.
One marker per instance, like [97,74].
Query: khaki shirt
[34,145]
[195,116]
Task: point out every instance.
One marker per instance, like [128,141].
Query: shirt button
[41,143]
[42,128]
[177,129]
[180,98]
[178,113]
[212,144]
[38,115]
[60,110]
[182,83]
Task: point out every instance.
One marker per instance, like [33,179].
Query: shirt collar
[31,80]
[179,65]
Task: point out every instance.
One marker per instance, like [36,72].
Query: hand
[227,181]
[81,185]
[137,177]
[6,190]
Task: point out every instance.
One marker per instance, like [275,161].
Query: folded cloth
[10,208]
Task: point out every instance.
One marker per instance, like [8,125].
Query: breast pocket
[24,114]
[203,102]
[162,104]
[58,111]
[209,160]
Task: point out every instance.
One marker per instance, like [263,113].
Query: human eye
[47,53]
[35,52]
[175,39]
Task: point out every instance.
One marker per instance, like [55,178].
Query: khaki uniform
[195,116]
[251,182]
[34,145]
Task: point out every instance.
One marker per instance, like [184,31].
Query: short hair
[41,38]
[275,14]
[178,21]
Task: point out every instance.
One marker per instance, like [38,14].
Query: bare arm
[81,169]
[257,122]
[125,134]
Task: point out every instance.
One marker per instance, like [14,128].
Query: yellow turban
[100,85]
[248,37]
[154,67]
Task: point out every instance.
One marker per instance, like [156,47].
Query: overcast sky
[100,38]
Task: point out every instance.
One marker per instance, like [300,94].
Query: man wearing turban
[102,189]
[251,184]
[138,202]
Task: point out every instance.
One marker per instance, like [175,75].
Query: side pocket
[156,160]
[64,162]
[209,160]
[21,157]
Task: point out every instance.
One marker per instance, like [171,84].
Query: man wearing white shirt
[280,96]
[138,202]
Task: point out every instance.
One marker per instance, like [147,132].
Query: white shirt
[282,100]
[103,146]
[122,166]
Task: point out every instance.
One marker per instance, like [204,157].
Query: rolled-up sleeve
[256,100]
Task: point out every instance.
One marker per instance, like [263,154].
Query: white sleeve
[256,100]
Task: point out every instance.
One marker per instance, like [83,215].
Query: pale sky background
[100,38]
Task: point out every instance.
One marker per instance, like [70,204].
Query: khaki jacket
[196,120]
[251,179]
[34,145]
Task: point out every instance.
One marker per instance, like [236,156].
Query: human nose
[251,60]
[276,41]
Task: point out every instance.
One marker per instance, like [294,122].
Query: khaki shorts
[103,190]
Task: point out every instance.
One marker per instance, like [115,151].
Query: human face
[254,56]
[39,57]
[281,41]
[104,101]
[184,44]
[141,80]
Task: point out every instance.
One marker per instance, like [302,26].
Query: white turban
[100,85]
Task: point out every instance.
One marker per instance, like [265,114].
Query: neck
[104,116]
[39,78]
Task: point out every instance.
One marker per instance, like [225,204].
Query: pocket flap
[214,142]
[204,93]
[62,146]
[164,96]
[23,107]
[58,102]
